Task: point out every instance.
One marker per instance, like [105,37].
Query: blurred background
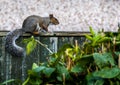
[73,15]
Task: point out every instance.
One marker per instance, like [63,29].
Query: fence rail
[53,34]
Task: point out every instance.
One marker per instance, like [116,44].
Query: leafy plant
[93,63]
[95,41]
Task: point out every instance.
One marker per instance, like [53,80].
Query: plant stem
[63,78]
[76,43]
[114,43]
[111,83]
[26,81]
[119,61]
[102,48]
[44,46]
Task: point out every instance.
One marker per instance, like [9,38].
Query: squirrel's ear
[51,15]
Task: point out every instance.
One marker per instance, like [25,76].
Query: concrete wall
[74,15]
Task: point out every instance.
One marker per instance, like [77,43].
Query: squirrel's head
[53,20]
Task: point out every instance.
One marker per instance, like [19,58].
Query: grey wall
[74,15]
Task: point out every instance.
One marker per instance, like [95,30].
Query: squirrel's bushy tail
[10,44]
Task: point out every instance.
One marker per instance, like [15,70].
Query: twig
[44,46]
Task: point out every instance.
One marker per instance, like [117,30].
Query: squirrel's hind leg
[37,29]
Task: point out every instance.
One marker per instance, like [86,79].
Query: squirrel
[31,24]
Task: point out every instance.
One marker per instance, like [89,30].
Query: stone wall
[74,15]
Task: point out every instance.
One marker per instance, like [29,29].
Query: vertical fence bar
[53,44]
[2,59]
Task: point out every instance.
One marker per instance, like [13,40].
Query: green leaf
[104,39]
[48,71]
[35,82]
[118,76]
[77,68]
[85,59]
[118,43]
[36,72]
[62,70]
[59,78]
[107,73]
[31,46]
[39,69]
[34,66]
[95,39]
[99,82]
[103,60]
[92,80]
[117,53]
[26,41]
[92,31]
[62,50]
[89,37]
[118,37]
[64,47]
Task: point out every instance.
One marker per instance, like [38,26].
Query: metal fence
[16,67]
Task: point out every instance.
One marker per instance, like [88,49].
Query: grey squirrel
[31,24]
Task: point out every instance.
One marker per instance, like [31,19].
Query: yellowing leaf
[30,46]
[34,66]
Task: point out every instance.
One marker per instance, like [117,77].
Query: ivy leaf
[35,82]
[39,69]
[77,68]
[107,73]
[93,80]
[62,70]
[104,59]
[48,71]
[34,66]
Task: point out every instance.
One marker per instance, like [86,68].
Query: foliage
[31,44]
[93,63]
